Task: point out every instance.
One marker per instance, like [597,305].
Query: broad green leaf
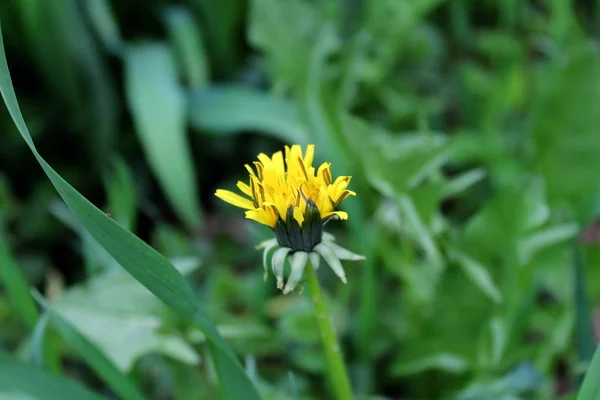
[189,44]
[20,380]
[284,31]
[566,116]
[144,263]
[157,105]
[119,382]
[235,109]
[112,299]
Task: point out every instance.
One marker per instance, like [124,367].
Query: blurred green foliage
[471,133]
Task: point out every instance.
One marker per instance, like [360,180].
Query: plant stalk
[333,353]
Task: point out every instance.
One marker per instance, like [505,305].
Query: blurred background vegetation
[471,130]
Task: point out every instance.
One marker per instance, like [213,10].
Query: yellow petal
[244,188]
[265,160]
[310,154]
[263,216]
[343,196]
[324,173]
[342,214]
[279,204]
[298,216]
[342,182]
[257,190]
[234,199]
[291,161]
[278,163]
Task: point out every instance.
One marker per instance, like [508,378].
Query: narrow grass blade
[118,382]
[590,390]
[480,276]
[16,285]
[423,235]
[102,20]
[121,194]
[463,182]
[236,109]
[189,44]
[158,109]
[584,331]
[20,379]
[144,263]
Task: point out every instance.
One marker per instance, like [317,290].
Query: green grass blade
[158,109]
[189,45]
[20,379]
[104,23]
[121,194]
[479,276]
[235,109]
[144,263]
[120,383]
[590,390]
[16,284]
[17,287]
[584,329]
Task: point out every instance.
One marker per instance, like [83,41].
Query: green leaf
[567,144]
[222,21]
[479,275]
[121,194]
[234,109]
[16,284]
[119,382]
[284,31]
[444,362]
[47,27]
[103,21]
[144,263]
[20,380]
[157,105]
[537,241]
[584,327]
[112,299]
[189,44]
[463,182]
[590,389]
[421,233]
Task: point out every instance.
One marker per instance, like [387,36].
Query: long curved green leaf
[144,263]
[28,381]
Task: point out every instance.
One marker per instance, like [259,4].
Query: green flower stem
[335,362]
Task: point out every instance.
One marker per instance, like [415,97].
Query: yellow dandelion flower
[286,193]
